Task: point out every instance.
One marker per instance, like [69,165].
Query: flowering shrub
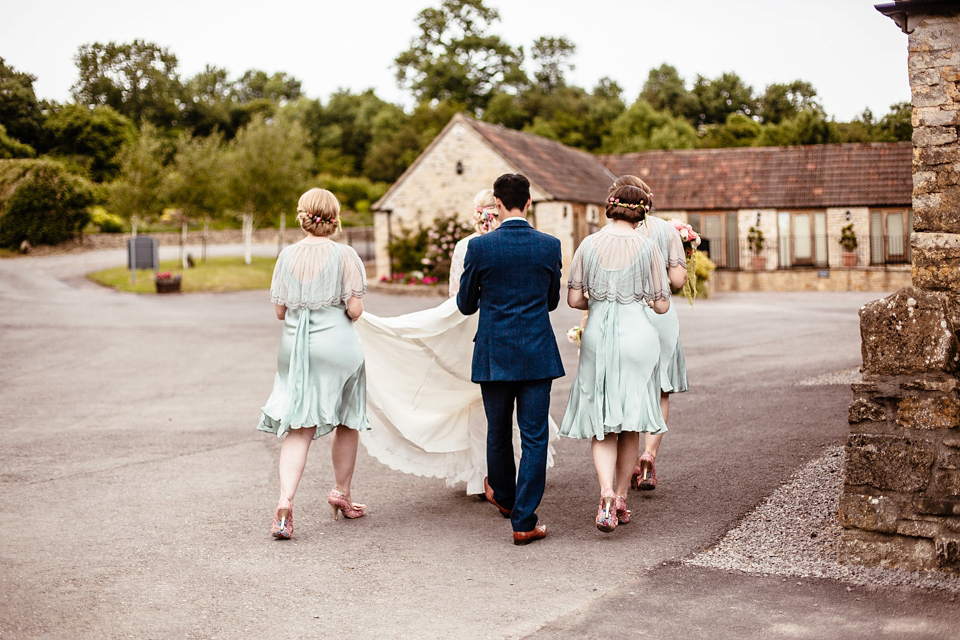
[442,238]
[414,277]
[166,276]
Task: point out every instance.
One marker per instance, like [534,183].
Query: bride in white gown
[426,416]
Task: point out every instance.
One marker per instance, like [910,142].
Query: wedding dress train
[426,416]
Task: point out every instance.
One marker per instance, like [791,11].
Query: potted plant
[848,240]
[755,242]
[167,282]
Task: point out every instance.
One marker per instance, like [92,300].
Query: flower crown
[639,205]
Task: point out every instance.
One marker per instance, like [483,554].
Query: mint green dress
[673,366]
[617,386]
[321,379]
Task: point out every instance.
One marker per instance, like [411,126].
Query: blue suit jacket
[512,275]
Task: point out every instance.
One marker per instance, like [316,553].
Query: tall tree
[198,184]
[343,131]
[269,165]
[642,128]
[552,56]
[454,58]
[258,85]
[138,191]
[208,98]
[782,101]
[897,124]
[391,154]
[139,80]
[810,126]
[665,90]
[722,96]
[738,131]
[20,112]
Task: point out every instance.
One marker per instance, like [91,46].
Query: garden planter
[168,286]
[759,263]
[849,259]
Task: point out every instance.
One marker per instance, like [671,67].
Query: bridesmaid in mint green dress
[673,367]
[616,274]
[320,386]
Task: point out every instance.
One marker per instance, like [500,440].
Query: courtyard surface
[136,495]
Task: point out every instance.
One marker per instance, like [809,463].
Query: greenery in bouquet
[442,238]
[691,240]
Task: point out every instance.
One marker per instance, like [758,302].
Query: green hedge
[41,202]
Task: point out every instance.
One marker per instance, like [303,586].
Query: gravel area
[847,377]
[795,531]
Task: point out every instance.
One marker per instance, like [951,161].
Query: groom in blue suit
[512,275]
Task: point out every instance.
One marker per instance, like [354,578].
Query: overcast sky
[853,56]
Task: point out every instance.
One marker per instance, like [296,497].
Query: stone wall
[878,279]
[900,505]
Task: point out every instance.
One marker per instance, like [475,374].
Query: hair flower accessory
[627,205]
[485,216]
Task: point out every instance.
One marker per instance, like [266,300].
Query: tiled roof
[816,176]
[563,172]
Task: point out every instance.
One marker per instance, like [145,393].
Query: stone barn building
[799,198]
[568,186]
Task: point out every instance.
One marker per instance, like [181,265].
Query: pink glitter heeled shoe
[340,505]
[644,474]
[623,514]
[607,511]
[282,527]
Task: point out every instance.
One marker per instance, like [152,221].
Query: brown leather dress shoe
[526,537]
[488,492]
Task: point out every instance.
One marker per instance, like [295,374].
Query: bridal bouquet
[691,240]
[574,334]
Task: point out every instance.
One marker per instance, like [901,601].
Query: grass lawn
[216,274]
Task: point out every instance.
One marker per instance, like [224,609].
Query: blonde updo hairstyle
[628,202]
[483,202]
[319,212]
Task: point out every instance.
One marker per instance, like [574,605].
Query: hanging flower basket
[167,282]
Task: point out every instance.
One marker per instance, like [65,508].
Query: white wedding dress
[426,416]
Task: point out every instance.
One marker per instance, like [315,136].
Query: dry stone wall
[900,505]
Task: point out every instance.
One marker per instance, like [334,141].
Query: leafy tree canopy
[642,128]
[782,101]
[20,111]
[93,137]
[257,85]
[454,58]
[552,56]
[718,98]
[139,80]
[665,90]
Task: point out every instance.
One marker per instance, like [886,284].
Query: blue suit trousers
[520,491]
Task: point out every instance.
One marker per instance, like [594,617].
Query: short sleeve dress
[673,367]
[617,386]
[321,377]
